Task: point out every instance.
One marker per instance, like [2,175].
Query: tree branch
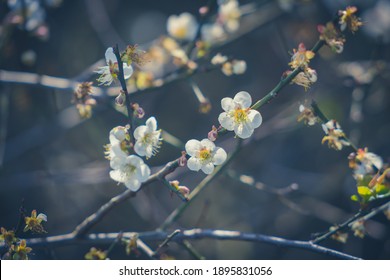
[191,234]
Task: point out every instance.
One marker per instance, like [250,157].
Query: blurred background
[54,161]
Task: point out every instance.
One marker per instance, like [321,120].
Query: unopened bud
[183,159]
[213,134]
[120,99]
[138,111]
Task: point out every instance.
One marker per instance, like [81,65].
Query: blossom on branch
[365,163]
[148,139]
[229,14]
[238,115]
[204,155]
[34,222]
[349,19]
[110,72]
[130,170]
[334,135]
[306,78]
[301,57]
[183,26]
[332,37]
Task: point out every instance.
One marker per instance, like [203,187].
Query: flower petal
[194,164]
[244,99]
[227,104]
[127,71]
[110,56]
[208,168]
[255,118]
[207,144]
[143,173]
[151,124]
[134,160]
[226,121]
[192,147]
[219,156]
[140,131]
[140,148]
[243,130]
[117,175]
[116,161]
[134,184]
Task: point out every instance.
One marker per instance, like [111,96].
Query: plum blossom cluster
[128,168]
[184,27]
[17,248]
[300,59]
[332,34]
[372,181]
[110,72]
[238,117]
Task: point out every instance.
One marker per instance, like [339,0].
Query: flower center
[240,115]
[180,32]
[204,154]
[129,170]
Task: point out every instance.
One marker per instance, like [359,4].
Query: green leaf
[355,198]
[365,193]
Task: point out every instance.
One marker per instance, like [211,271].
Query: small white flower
[110,72]
[131,171]
[238,115]
[218,59]
[182,27]
[229,14]
[213,33]
[148,139]
[239,67]
[116,150]
[204,155]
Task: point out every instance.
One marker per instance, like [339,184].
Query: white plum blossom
[218,59]
[204,155]
[116,150]
[213,33]
[183,26]
[131,171]
[229,14]
[110,72]
[148,139]
[238,115]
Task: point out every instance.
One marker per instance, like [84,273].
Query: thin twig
[166,241]
[122,81]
